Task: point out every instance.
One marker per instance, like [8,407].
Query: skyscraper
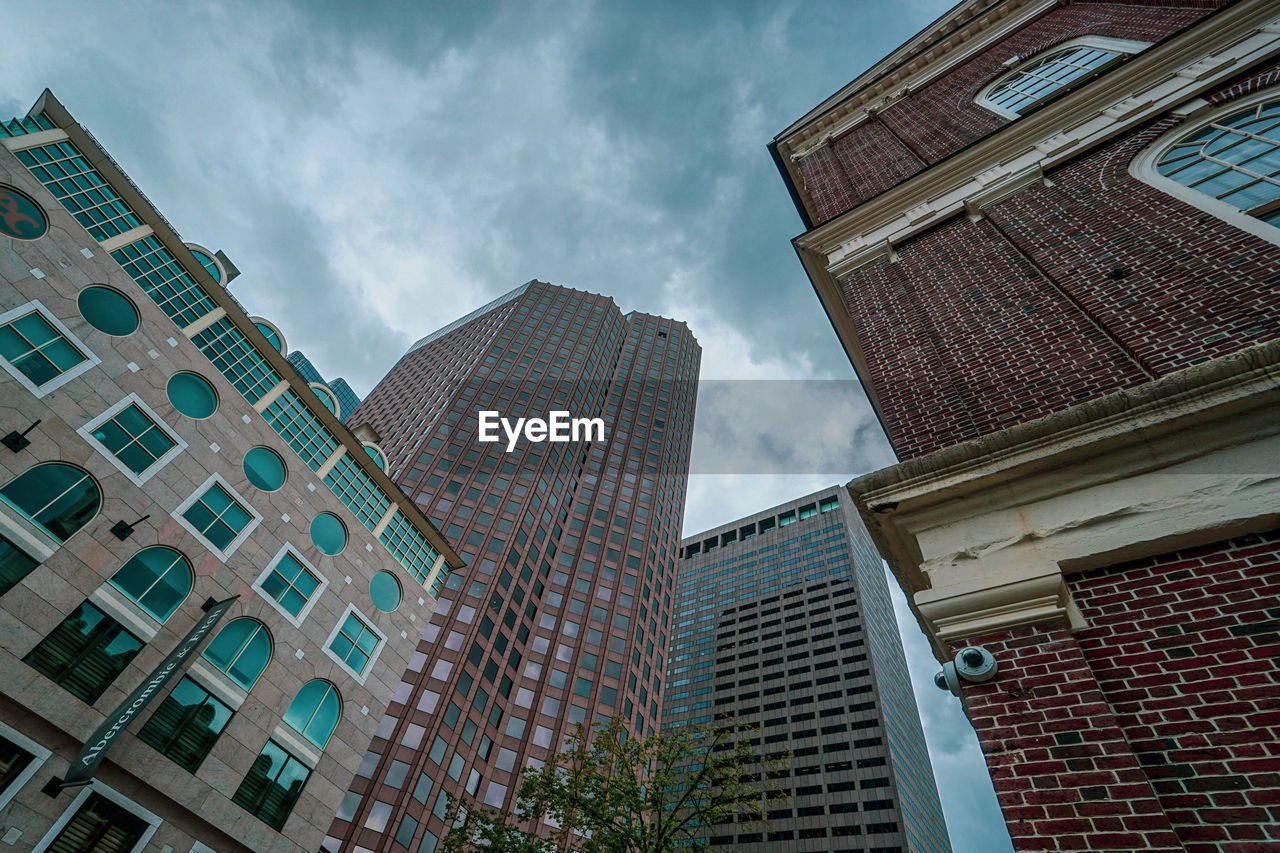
[561,615]
[1047,235]
[783,621]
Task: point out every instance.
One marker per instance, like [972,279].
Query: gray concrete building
[783,620]
[209,588]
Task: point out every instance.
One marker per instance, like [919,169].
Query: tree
[611,793]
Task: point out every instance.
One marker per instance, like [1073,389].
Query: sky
[378,169]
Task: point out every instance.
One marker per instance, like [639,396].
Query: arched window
[242,650]
[158,579]
[314,712]
[59,498]
[1043,76]
[1228,165]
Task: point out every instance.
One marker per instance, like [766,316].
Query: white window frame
[96,787]
[296,621]
[40,756]
[86,432]
[377,650]
[254,520]
[1143,167]
[61,379]
[1126,47]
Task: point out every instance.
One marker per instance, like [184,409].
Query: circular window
[384,589]
[264,468]
[192,395]
[108,310]
[20,216]
[329,534]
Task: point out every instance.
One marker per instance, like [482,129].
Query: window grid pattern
[162,278]
[302,429]
[219,517]
[230,351]
[134,438]
[68,176]
[290,584]
[358,491]
[409,546]
[1035,82]
[23,126]
[354,643]
[1235,160]
[32,345]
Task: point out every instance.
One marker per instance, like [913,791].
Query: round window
[272,336]
[192,395]
[264,468]
[384,589]
[108,310]
[328,533]
[20,216]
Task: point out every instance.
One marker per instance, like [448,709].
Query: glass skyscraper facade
[562,612]
[783,621]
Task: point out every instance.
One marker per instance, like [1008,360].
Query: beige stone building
[163,459]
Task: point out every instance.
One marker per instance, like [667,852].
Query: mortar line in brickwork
[922,317]
[1065,294]
[901,140]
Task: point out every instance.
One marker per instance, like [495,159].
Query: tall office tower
[783,621]
[208,588]
[1047,235]
[561,615]
[337,395]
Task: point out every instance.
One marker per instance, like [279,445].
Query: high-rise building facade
[208,588]
[783,621]
[562,614]
[341,399]
[1047,235]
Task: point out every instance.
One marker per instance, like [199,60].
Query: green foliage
[611,793]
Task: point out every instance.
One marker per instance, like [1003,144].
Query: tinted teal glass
[314,712]
[192,395]
[270,334]
[242,650]
[376,456]
[108,310]
[384,589]
[264,468]
[158,579]
[60,498]
[326,397]
[208,264]
[328,533]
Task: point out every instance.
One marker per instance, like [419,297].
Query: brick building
[563,612]
[1047,235]
[783,621]
[163,459]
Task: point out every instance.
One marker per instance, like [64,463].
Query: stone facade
[185,810]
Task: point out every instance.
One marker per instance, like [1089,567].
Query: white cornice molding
[910,68]
[1144,88]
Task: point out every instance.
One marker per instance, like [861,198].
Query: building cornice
[943,521]
[1165,79]
[173,242]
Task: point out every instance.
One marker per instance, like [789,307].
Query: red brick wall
[980,326]
[1184,648]
[942,117]
[1064,774]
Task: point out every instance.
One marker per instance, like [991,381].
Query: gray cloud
[377,170]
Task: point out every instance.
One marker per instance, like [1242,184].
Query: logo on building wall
[20,216]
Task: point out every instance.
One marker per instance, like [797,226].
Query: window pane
[186,725]
[85,653]
[157,578]
[99,826]
[60,498]
[272,786]
[242,650]
[14,565]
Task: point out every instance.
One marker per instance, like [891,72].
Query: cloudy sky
[377,169]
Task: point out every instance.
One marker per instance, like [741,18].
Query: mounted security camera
[976,664]
[972,663]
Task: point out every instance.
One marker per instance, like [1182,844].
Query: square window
[99,813]
[20,758]
[85,653]
[39,351]
[133,438]
[186,725]
[218,516]
[291,584]
[273,784]
[355,643]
